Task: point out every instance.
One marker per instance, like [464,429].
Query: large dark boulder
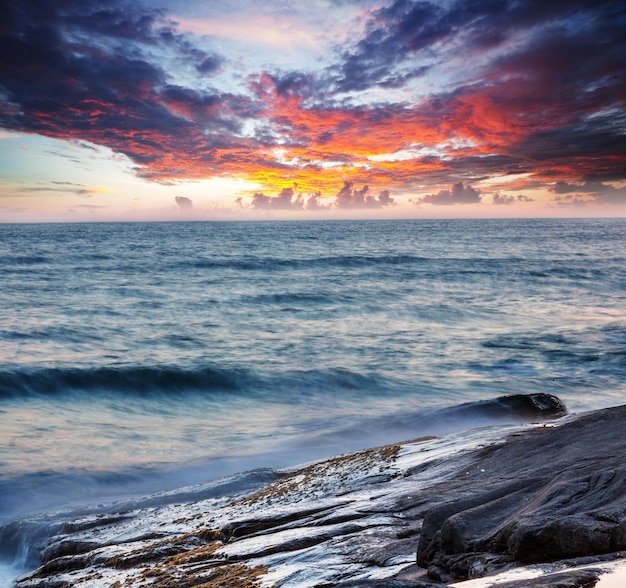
[552,494]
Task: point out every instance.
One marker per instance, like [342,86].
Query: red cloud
[551,103]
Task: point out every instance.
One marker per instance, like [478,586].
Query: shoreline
[482,502]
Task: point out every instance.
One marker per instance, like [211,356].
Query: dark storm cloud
[66,72]
[204,63]
[213,112]
[393,36]
[557,92]
[565,90]
[457,194]
[473,168]
[407,32]
[598,191]
[562,187]
[534,85]
[124,21]
[612,176]
[388,41]
[209,64]
[294,83]
[351,197]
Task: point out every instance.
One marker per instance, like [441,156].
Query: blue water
[135,357]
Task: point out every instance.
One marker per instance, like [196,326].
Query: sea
[141,357]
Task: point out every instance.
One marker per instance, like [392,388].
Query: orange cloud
[548,104]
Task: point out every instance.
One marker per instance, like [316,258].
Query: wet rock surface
[547,495]
[530,407]
[414,515]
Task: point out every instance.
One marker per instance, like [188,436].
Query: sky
[306,109]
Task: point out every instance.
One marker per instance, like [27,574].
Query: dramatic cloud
[407,95]
[88,72]
[457,194]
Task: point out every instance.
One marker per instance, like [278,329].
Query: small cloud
[13,209]
[314,202]
[385,199]
[284,201]
[91,207]
[65,188]
[498,199]
[562,187]
[350,197]
[570,200]
[84,145]
[457,194]
[210,64]
[183,202]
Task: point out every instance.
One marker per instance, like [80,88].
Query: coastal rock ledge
[547,499]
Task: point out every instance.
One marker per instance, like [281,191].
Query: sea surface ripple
[150,355]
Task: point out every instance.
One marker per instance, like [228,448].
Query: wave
[447,268]
[220,475]
[398,427]
[339,261]
[133,379]
[68,496]
[299,298]
[173,380]
[24,260]
[603,346]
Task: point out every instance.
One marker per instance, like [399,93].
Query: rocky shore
[545,502]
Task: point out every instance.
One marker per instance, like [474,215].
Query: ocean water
[138,357]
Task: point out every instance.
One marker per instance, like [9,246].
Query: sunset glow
[119,110]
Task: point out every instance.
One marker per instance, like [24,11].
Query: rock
[533,406]
[551,494]
[382,584]
[522,407]
[472,504]
[571,579]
